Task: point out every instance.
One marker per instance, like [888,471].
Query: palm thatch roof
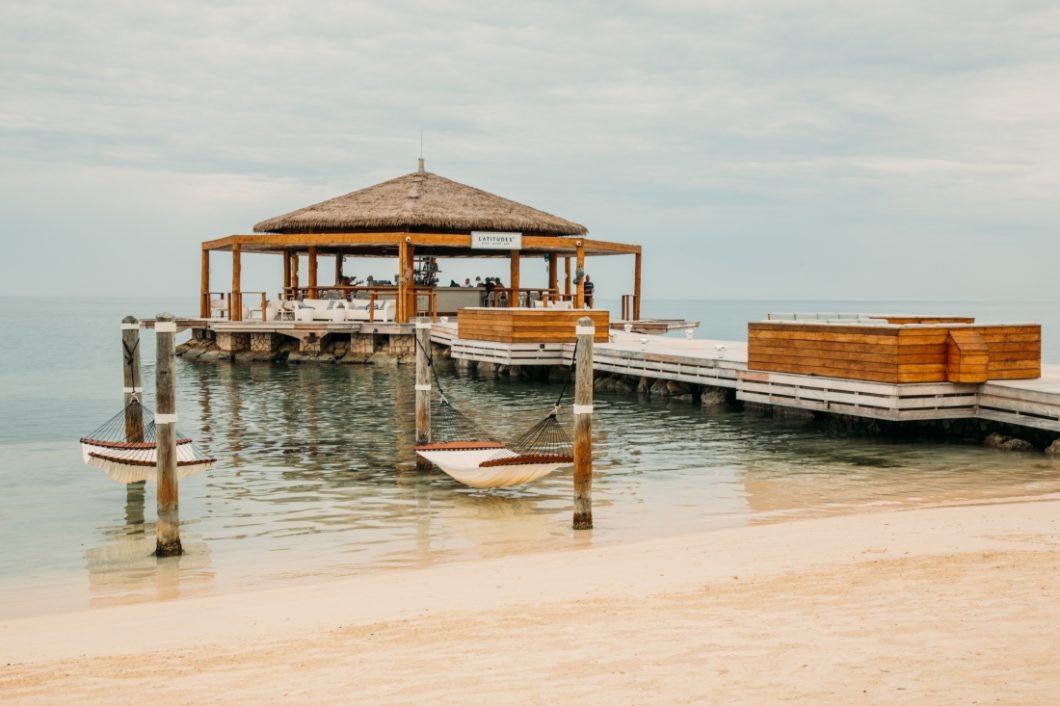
[419,201]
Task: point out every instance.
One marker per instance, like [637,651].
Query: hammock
[467,455]
[130,460]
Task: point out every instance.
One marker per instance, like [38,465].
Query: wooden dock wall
[541,326]
[908,353]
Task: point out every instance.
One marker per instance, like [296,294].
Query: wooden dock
[724,364]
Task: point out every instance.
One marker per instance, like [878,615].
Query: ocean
[316,475]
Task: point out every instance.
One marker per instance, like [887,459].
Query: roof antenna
[421,169]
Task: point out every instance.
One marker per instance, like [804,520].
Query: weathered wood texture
[528,325]
[133,388]
[583,425]
[167,528]
[896,353]
[423,381]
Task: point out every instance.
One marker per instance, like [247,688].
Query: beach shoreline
[926,605]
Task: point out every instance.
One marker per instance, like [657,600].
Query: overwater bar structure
[881,367]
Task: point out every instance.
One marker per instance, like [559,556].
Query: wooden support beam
[410,289]
[312,271]
[636,286]
[583,424]
[423,386]
[286,270]
[579,302]
[235,302]
[134,413]
[167,528]
[338,268]
[566,277]
[400,315]
[553,275]
[204,285]
[295,283]
[514,262]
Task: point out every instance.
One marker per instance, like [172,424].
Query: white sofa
[334,310]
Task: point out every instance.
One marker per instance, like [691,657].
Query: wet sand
[944,605]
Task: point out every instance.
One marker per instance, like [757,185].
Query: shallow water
[316,474]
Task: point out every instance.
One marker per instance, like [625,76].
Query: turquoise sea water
[315,476]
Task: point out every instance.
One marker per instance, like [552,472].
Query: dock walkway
[717,363]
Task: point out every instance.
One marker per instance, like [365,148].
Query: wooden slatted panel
[968,357]
[907,353]
[528,325]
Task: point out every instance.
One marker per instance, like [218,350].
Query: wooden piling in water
[134,412]
[167,528]
[423,386]
[583,425]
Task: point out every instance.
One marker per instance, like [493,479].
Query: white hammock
[487,464]
[135,462]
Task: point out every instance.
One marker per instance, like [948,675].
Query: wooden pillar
[410,290]
[235,302]
[167,528]
[513,300]
[204,285]
[423,386]
[566,278]
[312,271]
[400,316]
[579,302]
[338,268]
[553,276]
[134,413]
[636,287]
[130,343]
[583,425]
[286,272]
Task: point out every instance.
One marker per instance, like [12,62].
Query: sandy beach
[944,605]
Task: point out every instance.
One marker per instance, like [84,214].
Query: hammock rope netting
[463,451]
[130,457]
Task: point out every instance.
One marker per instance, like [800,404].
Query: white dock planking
[1029,403]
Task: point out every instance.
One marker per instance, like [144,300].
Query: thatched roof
[419,201]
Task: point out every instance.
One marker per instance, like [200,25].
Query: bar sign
[487,240]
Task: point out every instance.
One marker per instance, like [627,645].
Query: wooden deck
[1029,403]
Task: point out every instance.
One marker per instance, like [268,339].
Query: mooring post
[167,529]
[583,424]
[134,412]
[423,386]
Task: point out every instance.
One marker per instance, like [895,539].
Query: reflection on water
[317,478]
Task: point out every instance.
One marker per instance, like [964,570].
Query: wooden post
[235,303]
[134,412]
[286,273]
[312,271]
[566,278]
[412,306]
[338,269]
[553,276]
[636,287]
[513,301]
[423,385]
[580,262]
[295,283]
[167,528]
[204,285]
[399,305]
[583,425]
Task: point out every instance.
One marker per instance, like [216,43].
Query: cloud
[748,145]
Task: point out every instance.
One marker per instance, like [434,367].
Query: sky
[761,149]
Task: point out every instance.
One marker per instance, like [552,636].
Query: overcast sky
[767,150]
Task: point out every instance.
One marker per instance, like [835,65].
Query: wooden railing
[503,296]
[215,301]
